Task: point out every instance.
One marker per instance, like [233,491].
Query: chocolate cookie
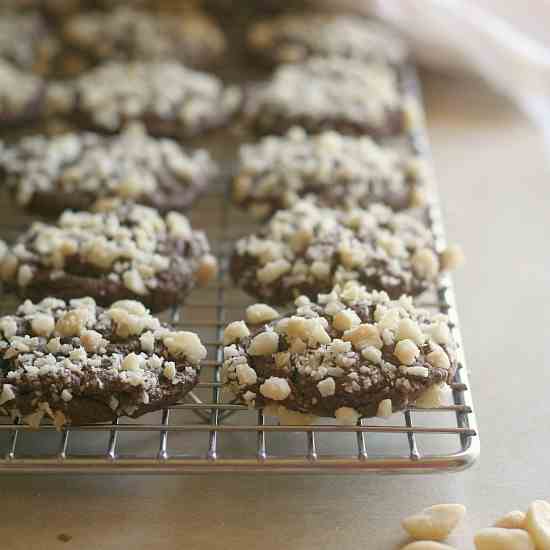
[21,95]
[339,170]
[122,252]
[27,43]
[170,99]
[129,34]
[289,39]
[350,354]
[335,93]
[78,363]
[71,171]
[307,250]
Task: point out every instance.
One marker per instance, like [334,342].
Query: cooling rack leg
[361,444]
[113,440]
[413,449]
[163,447]
[262,452]
[14,436]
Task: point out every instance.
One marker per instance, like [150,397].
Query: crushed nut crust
[123,251]
[289,38]
[169,98]
[308,249]
[77,362]
[73,170]
[308,364]
[347,95]
[129,34]
[339,170]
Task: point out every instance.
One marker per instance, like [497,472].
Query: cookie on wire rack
[349,96]
[122,251]
[131,34]
[349,354]
[308,249]
[170,99]
[78,363]
[289,38]
[47,175]
[339,170]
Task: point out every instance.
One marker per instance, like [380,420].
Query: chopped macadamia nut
[246,375]
[264,343]
[512,520]
[7,394]
[346,416]
[439,359]
[207,270]
[273,271]
[326,387]
[433,397]
[72,323]
[91,340]
[275,388]
[409,329]
[134,282]
[406,351]
[147,341]
[346,319]
[435,522]
[385,408]
[452,258]
[364,335]
[234,332]
[132,362]
[497,538]
[186,344]
[261,313]
[537,523]
[43,325]
[425,264]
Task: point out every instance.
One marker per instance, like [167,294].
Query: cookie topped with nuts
[78,363]
[335,93]
[308,249]
[339,170]
[27,43]
[289,38]
[71,171]
[130,34]
[349,354]
[123,251]
[21,95]
[169,98]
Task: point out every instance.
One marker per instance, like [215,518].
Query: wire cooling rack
[209,433]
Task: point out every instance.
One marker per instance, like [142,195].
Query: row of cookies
[145,75]
[88,348]
[32,42]
[344,237]
[348,354]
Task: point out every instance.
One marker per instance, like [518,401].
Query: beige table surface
[496,194]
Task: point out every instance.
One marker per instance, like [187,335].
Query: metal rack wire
[209,433]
